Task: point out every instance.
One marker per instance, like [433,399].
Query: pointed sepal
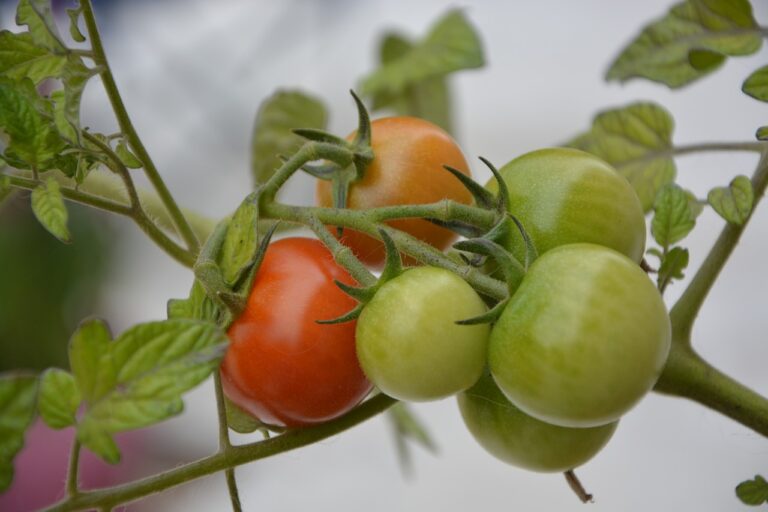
[531,253]
[320,136]
[512,269]
[502,200]
[483,197]
[489,317]
[363,136]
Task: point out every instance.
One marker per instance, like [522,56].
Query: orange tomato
[409,154]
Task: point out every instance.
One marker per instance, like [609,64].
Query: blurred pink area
[41,467]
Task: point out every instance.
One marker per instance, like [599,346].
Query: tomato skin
[564,196]
[582,340]
[408,342]
[512,436]
[409,154]
[281,366]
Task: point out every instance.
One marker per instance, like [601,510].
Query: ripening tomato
[583,338]
[512,436]
[409,154]
[565,196]
[281,365]
[409,343]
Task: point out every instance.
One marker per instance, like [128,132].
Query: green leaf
[59,398]
[428,99]
[673,217]
[17,410]
[241,242]
[452,44]
[98,441]
[637,141]
[272,135]
[239,420]
[20,57]
[65,128]
[38,17]
[762,133]
[734,202]
[689,42]
[753,492]
[694,204]
[75,77]
[74,30]
[705,60]
[88,358]
[34,139]
[49,208]
[152,364]
[756,85]
[198,306]
[128,158]
[672,266]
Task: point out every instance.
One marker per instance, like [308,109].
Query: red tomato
[281,366]
[407,168]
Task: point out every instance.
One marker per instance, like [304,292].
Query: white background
[192,74]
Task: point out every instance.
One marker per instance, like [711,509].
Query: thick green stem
[126,125]
[342,254]
[360,220]
[687,375]
[687,307]
[308,152]
[237,455]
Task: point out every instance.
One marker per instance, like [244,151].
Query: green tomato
[565,196]
[512,436]
[408,342]
[582,340]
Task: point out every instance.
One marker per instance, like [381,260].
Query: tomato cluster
[581,340]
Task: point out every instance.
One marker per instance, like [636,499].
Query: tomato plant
[407,168]
[510,435]
[282,366]
[582,340]
[582,333]
[564,196]
[408,341]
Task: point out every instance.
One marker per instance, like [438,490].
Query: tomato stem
[225,445]
[684,312]
[74,466]
[342,254]
[237,455]
[99,57]
[688,375]
[691,149]
[576,486]
[364,222]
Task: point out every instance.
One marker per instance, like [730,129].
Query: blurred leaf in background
[46,287]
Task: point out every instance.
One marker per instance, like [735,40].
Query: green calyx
[229,260]
[343,173]
[393,267]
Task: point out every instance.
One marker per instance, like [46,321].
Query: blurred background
[192,74]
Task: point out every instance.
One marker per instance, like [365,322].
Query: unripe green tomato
[565,196]
[512,436]
[408,343]
[583,339]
